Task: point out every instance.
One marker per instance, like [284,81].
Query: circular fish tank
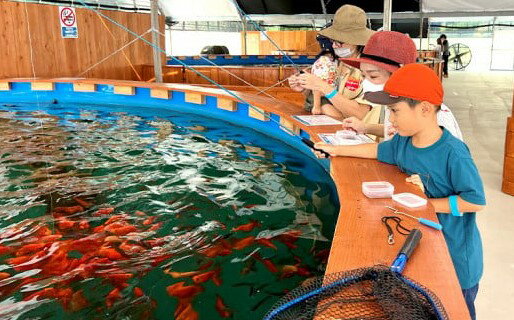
[119,202]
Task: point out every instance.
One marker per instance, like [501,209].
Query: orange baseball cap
[415,81]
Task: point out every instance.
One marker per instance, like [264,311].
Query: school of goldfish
[78,243]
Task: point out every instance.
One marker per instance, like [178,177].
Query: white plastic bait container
[409,200]
[377,189]
[346,134]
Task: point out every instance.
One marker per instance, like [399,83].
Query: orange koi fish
[65,224]
[4,250]
[185,310]
[217,279]
[288,271]
[181,274]
[204,277]
[119,278]
[222,309]
[131,248]
[243,243]
[112,297]
[104,211]
[68,210]
[50,238]
[267,243]
[83,225]
[42,294]
[183,292]
[110,253]
[4,275]
[247,227]
[149,220]
[138,292]
[266,262]
[30,248]
[83,202]
[78,301]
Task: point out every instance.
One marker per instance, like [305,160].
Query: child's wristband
[331,94]
[454,206]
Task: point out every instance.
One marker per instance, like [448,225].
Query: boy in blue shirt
[435,160]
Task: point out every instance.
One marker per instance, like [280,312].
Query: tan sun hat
[349,26]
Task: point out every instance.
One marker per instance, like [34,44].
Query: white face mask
[368,86]
[343,52]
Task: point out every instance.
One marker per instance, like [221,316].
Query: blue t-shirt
[446,168]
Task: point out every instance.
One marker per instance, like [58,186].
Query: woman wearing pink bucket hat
[347,34]
[384,53]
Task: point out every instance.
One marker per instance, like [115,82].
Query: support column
[157,63]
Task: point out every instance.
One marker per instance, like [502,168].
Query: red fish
[78,301]
[243,243]
[112,297]
[4,250]
[217,279]
[68,210]
[116,218]
[216,250]
[65,224]
[110,253]
[185,311]
[82,202]
[222,309]
[98,229]
[182,292]
[149,220]
[131,248]
[247,227]
[266,262]
[50,238]
[181,274]
[104,211]
[30,248]
[156,226]
[119,278]
[288,271]
[83,225]
[43,294]
[138,292]
[204,277]
[4,275]
[267,243]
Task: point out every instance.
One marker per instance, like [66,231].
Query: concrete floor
[481,103]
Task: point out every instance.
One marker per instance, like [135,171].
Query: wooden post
[155,40]
[508,163]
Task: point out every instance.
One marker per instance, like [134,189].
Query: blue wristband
[454,206]
[331,94]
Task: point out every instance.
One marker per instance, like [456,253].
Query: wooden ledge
[360,239]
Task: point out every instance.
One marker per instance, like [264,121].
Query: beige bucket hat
[349,26]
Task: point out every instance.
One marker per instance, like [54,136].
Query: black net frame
[366,294]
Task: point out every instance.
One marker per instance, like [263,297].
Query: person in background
[348,34]
[444,166]
[438,49]
[326,68]
[445,49]
[386,52]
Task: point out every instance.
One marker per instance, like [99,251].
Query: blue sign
[69,32]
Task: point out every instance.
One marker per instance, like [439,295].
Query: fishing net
[367,293]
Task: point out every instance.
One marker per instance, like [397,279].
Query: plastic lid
[377,189]
[409,200]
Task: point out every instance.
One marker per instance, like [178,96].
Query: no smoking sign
[68,20]
[68,17]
